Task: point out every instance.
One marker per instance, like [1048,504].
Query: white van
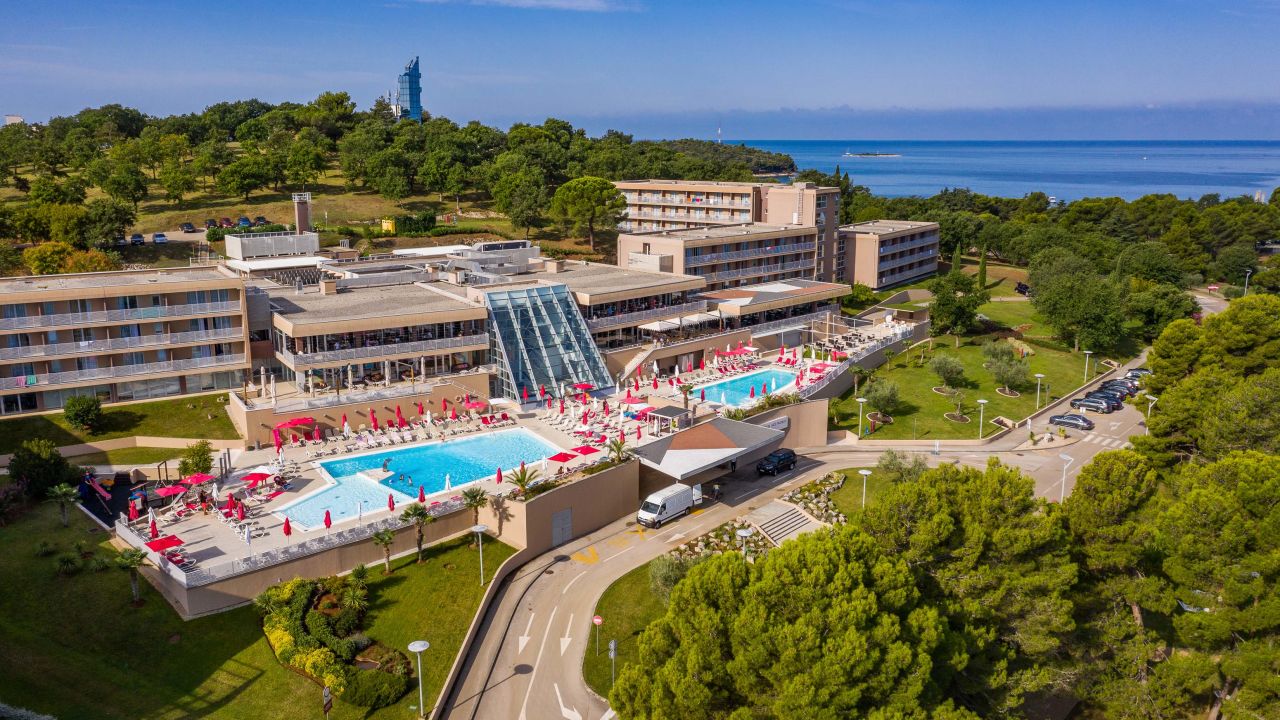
[667,503]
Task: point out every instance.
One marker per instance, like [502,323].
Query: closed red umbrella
[155,532]
[702,363]
[637,432]
[522,465]
[764,388]
[133,512]
[288,529]
[444,404]
[453,413]
[498,477]
[548,403]
[524,393]
[231,503]
[421,410]
[240,512]
[622,436]
[655,382]
[275,437]
[542,390]
[606,407]
[702,395]
[391,502]
[422,494]
[328,520]
[344,422]
[637,384]
[399,417]
[373,418]
[753,391]
[585,415]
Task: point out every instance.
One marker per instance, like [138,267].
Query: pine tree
[957,259]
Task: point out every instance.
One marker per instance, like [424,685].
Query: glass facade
[411,91]
[541,340]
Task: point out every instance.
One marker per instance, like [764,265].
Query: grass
[74,647]
[127,456]
[627,606]
[200,416]
[848,499]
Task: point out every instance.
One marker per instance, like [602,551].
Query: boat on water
[870,154]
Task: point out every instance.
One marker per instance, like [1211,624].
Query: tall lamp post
[982,414]
[1062,494]
[1247,273]
[861,403]
[1151,402]
[865,473]
[1087,353]
[417,647]
[1039,377]
[480,530]
[743,534]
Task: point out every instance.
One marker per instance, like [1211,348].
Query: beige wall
[807,426]
[594,501]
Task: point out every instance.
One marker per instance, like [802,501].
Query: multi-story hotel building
[890,252]
[120,336]
[682,204]
[725,256]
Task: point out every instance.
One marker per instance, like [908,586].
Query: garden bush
[83,412]
[374,688]
[318,627]
[219,233]
[322,665]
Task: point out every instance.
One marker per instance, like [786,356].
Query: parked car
[119,241]
[1129,388]
[137,239]
[226,223]
[260,220]
[1085,403]
[1140,371]
[1113,401]
[210,223]
[777,461]
[1079,422]
[1022,288]
[159,238]
[187,227]
[669,502]
[244,222]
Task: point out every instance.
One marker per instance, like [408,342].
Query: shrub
[390,660]
[45,549]
[321,664]
[665,571]
[948,369]
[67,564]
[98,564]
[218,233]
[374,688]
[83,412]
[347,621]
[318,627]
[38,463]
[998,351]
[360,574]
[882,396]
[197,458]
[281,641]
[360,640]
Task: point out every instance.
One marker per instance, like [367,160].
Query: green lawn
[627,607]
[200,416]
[1014,314]
[848,499]
[75,648]
[128,456]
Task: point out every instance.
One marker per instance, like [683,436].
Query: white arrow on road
[568,712]
[674,537]
[524,639]
[564,641]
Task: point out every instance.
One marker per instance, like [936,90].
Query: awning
[700,317]
[660,326]
[704,446]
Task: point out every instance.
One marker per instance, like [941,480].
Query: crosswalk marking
[1107,442]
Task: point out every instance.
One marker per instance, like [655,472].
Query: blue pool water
[736,391]
[465,460]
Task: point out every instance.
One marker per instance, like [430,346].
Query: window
[79,306]
[15,311]
[127,303]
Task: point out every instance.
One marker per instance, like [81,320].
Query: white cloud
[572,5]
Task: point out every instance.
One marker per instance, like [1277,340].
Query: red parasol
[622,436]
[421,410]
[155,532]
[133,512]
[561,406]
[702,364]
[637,432]
[498,477]
[240,512]
[391,502]
[422,494]
[655,382]
[275,437]
[524,393]
[606,407]
[637,384]
[344,422]
[453,413]
[328,520]
[288,529]
[753,391]
[542,390]
[399,417]
[702,395]
[548,403]
[764,388]
[373,418]
[444,404]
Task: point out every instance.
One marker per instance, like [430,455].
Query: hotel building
[726,256]
[890,252]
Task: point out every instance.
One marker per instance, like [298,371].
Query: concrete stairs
[779,521]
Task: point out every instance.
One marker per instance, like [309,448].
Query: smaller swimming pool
[736,391]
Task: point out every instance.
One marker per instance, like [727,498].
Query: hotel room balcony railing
[362,354]
[759,270]
[118,371]
[129,315]
[91,347]
[691,260]
[612,321]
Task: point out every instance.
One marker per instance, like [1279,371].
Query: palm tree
[63,495]
[355,598]
[474,498]
[129,561]
[523,477]
[384,540]
[858,372]
[420,518]
[617,449]
[685,390]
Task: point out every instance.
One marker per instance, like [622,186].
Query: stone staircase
[779,521]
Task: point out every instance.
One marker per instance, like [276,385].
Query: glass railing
[646,315]
[118,371]
[692,260]
[759,270]
[129,315]
[122,343]
[380,351]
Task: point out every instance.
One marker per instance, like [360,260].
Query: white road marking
[524,639]
[537,660]
[608,714]
[571,582]
[564,641]
[1089,438]
[568,712]
[619,553]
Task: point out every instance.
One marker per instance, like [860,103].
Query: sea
[1067,170]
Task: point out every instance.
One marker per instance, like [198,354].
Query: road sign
[328,700]
[597,620]
[613,649]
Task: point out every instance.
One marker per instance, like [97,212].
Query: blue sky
[647,63]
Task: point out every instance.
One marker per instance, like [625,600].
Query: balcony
[886,265]
[120,316]
[792,323]
[613,321]
[893,246]
[690,202]
[27,382]
[377,352]
[94,347]
[760,270]
[892,278]
[692,260]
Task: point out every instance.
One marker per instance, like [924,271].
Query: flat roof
[275,263]
[704,446]
[726,232]
[122,279]
[751,295]
[311,307]
[886,227]
[439,251]
[597,278]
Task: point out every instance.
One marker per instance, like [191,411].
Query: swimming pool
[465,460]
[736,391]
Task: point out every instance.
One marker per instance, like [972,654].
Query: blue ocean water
[1067,170]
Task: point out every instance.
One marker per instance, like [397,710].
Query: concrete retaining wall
[136,441]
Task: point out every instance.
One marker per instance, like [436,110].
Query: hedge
[374,688]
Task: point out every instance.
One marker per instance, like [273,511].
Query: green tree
[616,448]
[522,478]
[982,269]
[898,466]
[197,458]
[588,204]
[129,561]
[957,260]
[38,462]
[94,260]
[126,183]
[47,258]
[1152,308]
[47,189]
[1011,373]
[956,299]
[474,498]
[243,176]
[416,514]
[178,181]
[882,396]
[83,412]
[62,496]
[305,163]
[385,539]
[950,371]
[105,219]
[522,197]
[1150,261]
[1081,305]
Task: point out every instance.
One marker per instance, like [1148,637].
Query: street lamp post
[982,415]
[480,530]
[1087,353]
[865,473]
[861,403]
[1247,273]
[1062,494]
[743,534]
[1151,402]
[1039,377]
[417,647]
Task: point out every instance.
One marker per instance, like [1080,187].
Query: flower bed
[815,498]
[721,540]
